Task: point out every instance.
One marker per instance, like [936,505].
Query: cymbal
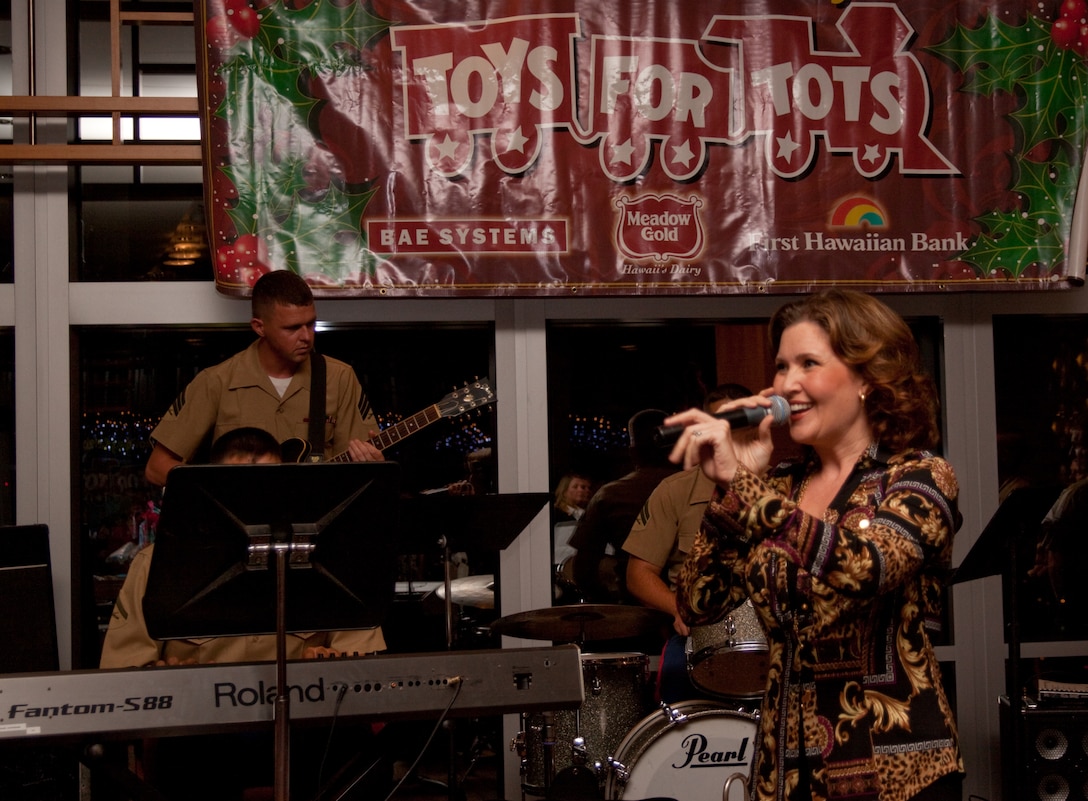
[474,591]
[581,622]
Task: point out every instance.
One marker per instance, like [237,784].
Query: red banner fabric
[411,148]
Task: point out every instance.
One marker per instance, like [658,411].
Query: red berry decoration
[241,262]
[220,33]
[1080,46]
[1064,33]
[243,18]
[1073,10]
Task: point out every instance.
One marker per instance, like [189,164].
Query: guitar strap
[317,407]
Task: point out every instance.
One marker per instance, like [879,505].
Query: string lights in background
[122,435]
[596,433]
[1070,371]
[465,437]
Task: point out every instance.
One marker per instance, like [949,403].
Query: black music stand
[462,522]
[232,539]
[996,553]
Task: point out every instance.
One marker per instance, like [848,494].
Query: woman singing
[843,553]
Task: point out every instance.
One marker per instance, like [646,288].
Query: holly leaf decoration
[995,56]
[1054,97]
[1043,194]
[1015,243]
[307,236]
[268,109]
[324,236]
[320,36]
[1024,61]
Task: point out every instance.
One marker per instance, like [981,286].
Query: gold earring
[862,396]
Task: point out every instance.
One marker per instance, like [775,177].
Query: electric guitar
[471,396]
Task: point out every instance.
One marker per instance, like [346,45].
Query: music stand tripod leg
[282,748]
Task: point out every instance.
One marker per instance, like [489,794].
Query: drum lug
[579,756]
[731,632]
[578,753]
[619,770]
[517,744]
[672,714]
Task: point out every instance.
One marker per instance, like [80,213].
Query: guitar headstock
[471,396]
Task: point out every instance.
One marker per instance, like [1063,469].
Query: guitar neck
[395,433]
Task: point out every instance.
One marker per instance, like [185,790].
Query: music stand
[995,552]
[487,522]
[231,538]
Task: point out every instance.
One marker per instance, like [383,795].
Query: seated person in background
[239,766]
[599,563]
[128,644]
[571,496]
[569,504]
[659,542]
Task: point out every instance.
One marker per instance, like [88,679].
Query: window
[129,376]
[1041,386]
[143,222]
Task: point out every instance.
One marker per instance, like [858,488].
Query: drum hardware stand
[578,781]
[579,759]
[548,742]
[520,747]
[1016,520]
[451,784]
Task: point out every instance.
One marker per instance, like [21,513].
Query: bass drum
[694,751]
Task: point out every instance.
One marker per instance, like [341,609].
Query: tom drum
[729,659]
[617,690]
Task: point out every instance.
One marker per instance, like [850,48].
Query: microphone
[737,418]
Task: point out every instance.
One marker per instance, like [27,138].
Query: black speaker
[1053,761]
[28,627]
[27,619]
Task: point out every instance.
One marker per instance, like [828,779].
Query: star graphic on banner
[517,141]
[872,153]
[621,154]
[787,147]
[683,154]
[447,148]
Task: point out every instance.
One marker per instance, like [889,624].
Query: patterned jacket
[845,602]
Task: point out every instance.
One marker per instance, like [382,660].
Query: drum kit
[616,745]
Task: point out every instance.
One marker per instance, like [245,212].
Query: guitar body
[295,450]
[471,396]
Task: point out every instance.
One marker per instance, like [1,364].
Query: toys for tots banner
[644,147]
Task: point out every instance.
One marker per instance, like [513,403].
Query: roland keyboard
[184,700]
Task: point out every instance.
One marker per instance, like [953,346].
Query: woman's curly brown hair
[875,342]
